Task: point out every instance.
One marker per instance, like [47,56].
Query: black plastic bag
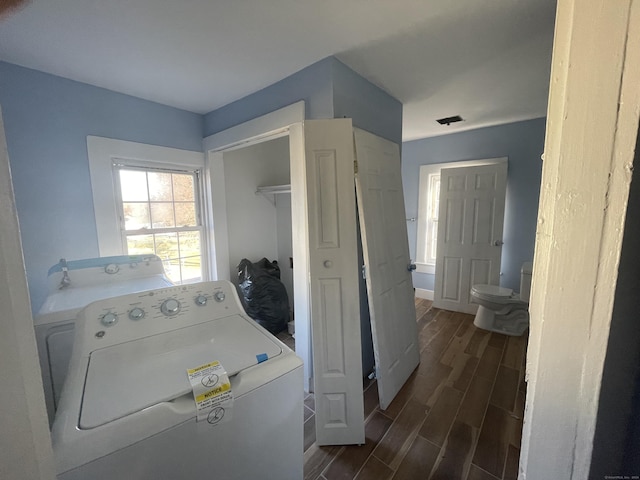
[264,297]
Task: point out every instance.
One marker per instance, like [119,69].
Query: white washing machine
[127,409]
[72,285]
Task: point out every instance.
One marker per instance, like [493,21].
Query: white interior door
[333,277]
[469,246]
[386,255]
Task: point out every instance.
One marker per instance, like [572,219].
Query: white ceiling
[486,60]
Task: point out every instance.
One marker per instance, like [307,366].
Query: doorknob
[498,243]
[411,267]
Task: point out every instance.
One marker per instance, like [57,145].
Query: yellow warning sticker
[202,367]
[212,393]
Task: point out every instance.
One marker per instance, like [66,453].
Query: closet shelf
[274,189]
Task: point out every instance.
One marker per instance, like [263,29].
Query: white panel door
[469,246]
[333,274]
[386,255]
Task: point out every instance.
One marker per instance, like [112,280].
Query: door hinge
[355,166]
[364,272]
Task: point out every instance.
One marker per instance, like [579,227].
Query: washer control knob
[201,300]
[170,307]
[109,319]
[136,313]
[112,268]
[219,296]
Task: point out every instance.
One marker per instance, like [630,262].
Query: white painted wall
[25,445]
[251,218]
[284,242]
[592,126]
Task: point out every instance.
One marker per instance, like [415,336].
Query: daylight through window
[431,239]
[159,213]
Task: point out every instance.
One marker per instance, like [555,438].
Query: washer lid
[126,378]
[492,291]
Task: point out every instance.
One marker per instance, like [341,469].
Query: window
[160,214]
[151,199]
[431,239]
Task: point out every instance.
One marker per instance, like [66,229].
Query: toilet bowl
[501,309]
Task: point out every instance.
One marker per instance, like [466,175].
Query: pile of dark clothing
[264,297]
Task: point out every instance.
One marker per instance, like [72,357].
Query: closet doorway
[324,157]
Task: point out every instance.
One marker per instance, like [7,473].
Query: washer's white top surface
[493,292]
[94,279]
[65,304]
[128,377]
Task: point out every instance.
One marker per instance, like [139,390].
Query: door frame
[27,424]
[286,121]
[590,150]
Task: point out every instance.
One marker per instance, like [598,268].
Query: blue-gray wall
[329,89]
[522,143]
[47,120]
[312,84]
[370,107]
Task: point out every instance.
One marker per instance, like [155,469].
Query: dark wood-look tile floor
[459,416]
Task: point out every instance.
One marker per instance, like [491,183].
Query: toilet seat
[495,294]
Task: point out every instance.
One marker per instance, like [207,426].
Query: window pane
[158,200]
[136,216]
[189,243]
[186,214]
[433,242]
[160,186]
[183,188]
[167,245]
[172,269]
[434,196]
[140,244]
[191,269]
[162,215]
[133,184]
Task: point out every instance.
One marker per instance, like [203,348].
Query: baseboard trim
[422,293]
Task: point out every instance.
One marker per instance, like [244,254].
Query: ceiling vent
[449,120]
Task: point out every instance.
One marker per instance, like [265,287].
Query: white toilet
[501,309]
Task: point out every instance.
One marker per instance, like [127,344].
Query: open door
[333,281]
[469,246]
[388,270]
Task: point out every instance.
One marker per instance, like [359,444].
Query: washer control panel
[129,317]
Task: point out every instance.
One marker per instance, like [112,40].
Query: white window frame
[423,265]
[104,154]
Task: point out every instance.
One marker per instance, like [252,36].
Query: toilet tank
[525,280]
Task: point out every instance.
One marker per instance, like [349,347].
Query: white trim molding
[586,174]
[102,154]
[266,127]
[261,129]
[26,445]
[288,121]
[424,294]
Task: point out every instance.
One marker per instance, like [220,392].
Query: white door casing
[386,255]
[285,121]
[333,274]
[471,217]
[25,444]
